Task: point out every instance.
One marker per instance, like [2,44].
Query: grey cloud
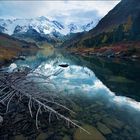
[63,11]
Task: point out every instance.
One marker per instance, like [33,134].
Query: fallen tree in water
[25,84]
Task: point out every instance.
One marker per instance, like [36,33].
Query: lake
[105,94]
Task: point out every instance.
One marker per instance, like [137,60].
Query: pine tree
[104,39]
[128,24]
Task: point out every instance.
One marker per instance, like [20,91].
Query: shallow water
[104,92]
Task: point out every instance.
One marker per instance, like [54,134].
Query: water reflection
[86,81]
[81,75]
[78,79]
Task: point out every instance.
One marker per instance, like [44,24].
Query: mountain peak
[42,25]
[43,18]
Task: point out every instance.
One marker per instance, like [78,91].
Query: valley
[72,76]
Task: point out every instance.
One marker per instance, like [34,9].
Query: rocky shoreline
[123,50]
[108,54]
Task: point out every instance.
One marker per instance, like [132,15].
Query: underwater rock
[113,123]
[1,119]
[127,127]
[20,137]
[66,137]
[76,108]
[97,117]
[42,136]
[64,129]
[99,103]
[18,118]
[94,134]
[103,128]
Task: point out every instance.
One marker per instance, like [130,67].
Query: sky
[63,11]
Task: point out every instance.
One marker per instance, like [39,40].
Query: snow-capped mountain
[42,25]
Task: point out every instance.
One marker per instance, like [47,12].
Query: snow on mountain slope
[42,25]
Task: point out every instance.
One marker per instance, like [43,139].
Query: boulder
[94,134]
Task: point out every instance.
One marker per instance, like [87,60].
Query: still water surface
[106,93]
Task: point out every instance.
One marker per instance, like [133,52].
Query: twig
[37,116]
[25,84]
[9,102]
[29,105]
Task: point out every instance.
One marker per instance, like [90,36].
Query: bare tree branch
[26,84]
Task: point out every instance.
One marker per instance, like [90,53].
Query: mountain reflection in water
[98,87]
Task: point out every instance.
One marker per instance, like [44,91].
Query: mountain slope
[41,29]
[33,36]
[120,23]
[11,48]
[117,16]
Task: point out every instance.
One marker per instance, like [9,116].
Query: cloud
[78,16]
[64,11]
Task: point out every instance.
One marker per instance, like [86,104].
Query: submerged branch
[23,84]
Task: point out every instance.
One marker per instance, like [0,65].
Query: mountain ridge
[116,35]
[42,25]
[116,17]
[12,48]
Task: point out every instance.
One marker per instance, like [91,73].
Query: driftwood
[25,84]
